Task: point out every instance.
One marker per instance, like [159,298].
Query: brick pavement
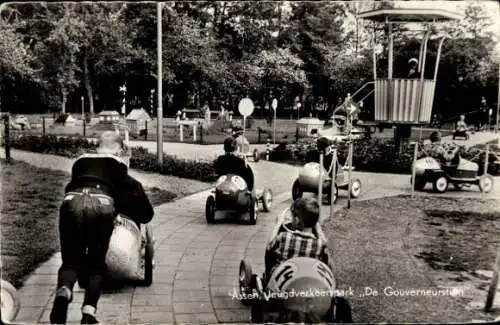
[196,264]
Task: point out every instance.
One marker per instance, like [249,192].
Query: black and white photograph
[208,162]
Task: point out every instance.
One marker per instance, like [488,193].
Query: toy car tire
[419,184]
[267,200]
[256,156]
[254,209]
[296,190]
[485,183]
[440,184]
[341,311]
[210,209]
[257,312]
[244,281]
[11,303]
[355,188]
[332,199]
[148,259]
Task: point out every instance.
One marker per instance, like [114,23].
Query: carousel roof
[406,15]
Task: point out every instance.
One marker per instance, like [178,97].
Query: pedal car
[299,284]
[244,146]
[231,193]
[10,302]
[308,181]
[460,172]
[461,134]
[130,253]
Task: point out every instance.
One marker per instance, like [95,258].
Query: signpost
[159,80]
[274,105]
[245,107]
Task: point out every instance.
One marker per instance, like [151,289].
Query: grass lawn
[29,213]
[425,241]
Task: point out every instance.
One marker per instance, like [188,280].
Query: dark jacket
[110,174]
[231,164]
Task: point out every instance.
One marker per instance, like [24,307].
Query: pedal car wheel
[296,190]
[244,281]
[267,200]
[355,188]
[210,209]
[419,184]
[332,199]
[257,312]
[441,184]
[341,311]
[10,302]
[254,208]
[148,260]
[485,183]
[256,156]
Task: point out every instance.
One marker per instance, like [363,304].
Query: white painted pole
[274,128]
[494,284]
[320,185]
[349,185]
[334,179]
[159,46]
[413,171]
[486,158]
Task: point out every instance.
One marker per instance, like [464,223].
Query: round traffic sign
[274,104]
[245,107]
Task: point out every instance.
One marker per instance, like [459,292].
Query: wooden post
[413,171]
[320,185]
[201,132]
[146,130]
[43,125]
[84,126]
[181,131]
[334,179]
[6,121]
[493,285]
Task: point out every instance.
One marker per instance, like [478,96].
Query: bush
[141,158]
[376,155]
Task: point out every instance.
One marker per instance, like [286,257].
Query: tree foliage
[219,51]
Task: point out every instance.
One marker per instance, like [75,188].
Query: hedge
[378,155]
[141,159]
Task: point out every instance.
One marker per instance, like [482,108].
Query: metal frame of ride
[342,181]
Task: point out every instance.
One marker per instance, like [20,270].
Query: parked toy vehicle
[308,181]
[287,286]
[130,254]
[460,172]
[10,302]
[231,193]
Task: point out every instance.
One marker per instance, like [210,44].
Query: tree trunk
[64,100]
[88,86]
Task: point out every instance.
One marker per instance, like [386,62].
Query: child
[298,239]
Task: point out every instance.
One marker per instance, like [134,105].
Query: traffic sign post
[274,105]
[245,107]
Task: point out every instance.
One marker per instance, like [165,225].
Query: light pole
[123,90]
[159,127]
[497,122]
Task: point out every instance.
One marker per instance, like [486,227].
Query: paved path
[197,263]
[474,139]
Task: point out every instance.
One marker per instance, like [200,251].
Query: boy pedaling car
[298,238]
